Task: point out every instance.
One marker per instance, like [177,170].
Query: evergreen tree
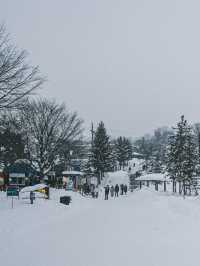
[123,151]
[181,157]
[11,147]
[101,151]
[196,128]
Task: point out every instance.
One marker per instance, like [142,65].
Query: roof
[152,177]
[12,175]
[72,173]
[33,188]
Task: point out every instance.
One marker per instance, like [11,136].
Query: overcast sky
[135,64]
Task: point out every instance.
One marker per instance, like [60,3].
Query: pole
[12,202]
[92,132]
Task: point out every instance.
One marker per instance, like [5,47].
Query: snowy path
[144,228]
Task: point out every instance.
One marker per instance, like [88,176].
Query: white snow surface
[144,228]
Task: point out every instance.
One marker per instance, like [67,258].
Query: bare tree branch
[48,125]
[17,78]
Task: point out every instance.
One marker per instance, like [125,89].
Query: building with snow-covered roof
[72,179]
[21,173]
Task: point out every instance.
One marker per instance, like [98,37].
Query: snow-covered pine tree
[86,168]
[120,152]
[101,151]
[129,149]
[123,151]
[191,155]
[196,128]
[181,156]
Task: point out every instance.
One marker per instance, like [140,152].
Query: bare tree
[17,78]
[47,126]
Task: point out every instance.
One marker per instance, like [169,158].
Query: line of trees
[175,151]
[40,132]
[106,154]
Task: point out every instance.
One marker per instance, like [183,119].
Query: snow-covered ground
[144,228]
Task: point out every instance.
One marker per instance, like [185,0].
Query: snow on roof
[152,177]
[136,153]
[33,188]
[17,175]
[72,173]
[23,161]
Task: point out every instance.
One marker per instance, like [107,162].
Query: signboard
[12,192]
[1,181]
[69,185]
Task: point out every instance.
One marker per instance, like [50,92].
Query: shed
[72,179]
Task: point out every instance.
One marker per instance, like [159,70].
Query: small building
[18,179]
[21,173]
[72,179]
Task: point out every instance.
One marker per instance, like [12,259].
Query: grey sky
[135,64]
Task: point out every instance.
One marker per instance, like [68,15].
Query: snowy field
[144,228]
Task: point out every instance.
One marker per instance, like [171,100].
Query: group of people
[114,190]
[91,189]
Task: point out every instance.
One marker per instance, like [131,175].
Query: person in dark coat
[125,189]
[112,190]
[116,190]
[122,189]
[107,189]
[92,188]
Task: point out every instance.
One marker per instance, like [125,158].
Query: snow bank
[143,228]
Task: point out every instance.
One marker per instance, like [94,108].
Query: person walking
[122,189]
[125,189]
[116,190]
[96,192]
[107,189]
[92,188]
[112,190]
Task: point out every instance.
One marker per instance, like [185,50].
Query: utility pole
[92,132]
